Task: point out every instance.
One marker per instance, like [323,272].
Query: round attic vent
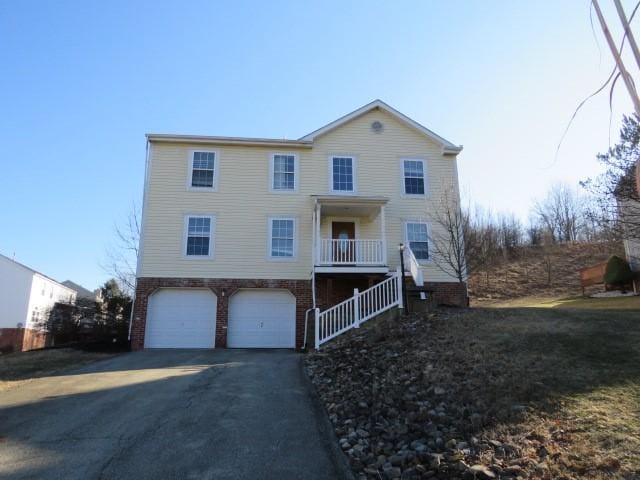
[376,126]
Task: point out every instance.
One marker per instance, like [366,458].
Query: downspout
[138,259]
[314,251]
[313,277]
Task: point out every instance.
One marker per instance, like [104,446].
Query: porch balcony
[352,252]
[349,234]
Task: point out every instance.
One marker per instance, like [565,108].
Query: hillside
[487,393]
[541,271]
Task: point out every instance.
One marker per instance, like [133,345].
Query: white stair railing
[411,262]
[358,309]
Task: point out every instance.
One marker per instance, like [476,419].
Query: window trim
[270,220]
[216,169]
[405,224]
[403,190]
[354,168]
[272,171]
[185,236]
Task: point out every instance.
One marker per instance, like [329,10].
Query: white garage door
[181,318]
[262,319]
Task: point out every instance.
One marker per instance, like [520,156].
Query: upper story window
[343,174]
[284,172]
[282,238]
[417,235]
[199,233]
[203,169]
[413,177]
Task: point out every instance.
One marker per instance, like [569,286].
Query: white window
[284,172]
[343,174]
[417,236]
[198,235]
[413,176]
[203,170]
[282,238]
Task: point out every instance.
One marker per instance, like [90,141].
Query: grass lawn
[579,370]
[553,391]
[16,368]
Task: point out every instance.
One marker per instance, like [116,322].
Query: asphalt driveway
[222,414]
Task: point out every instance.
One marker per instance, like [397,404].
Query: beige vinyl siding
[379,172]
[241,206]
[243,202]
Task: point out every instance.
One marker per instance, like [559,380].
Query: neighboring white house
[243,237]
[25,298]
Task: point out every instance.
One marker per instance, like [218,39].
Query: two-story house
[242,236]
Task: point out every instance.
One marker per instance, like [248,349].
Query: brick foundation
[449,293]
[11,339]
[223,288]
[21,339]
[331,290]
[33,339]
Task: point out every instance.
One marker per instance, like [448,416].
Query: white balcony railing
[351,252]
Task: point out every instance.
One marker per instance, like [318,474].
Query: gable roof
[447,146]
[82,292]
[246,141]
[35,272]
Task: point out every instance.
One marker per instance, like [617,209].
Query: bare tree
[560,213]
[481,240]
[447,236]
[121,255]
[601,224]
[547,263]
[509,233]
[534,232]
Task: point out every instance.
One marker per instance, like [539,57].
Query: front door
[344,245]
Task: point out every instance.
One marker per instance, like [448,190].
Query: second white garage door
[262,318]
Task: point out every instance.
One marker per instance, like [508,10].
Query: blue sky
[82,82]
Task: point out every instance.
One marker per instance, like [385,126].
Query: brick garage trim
[300,289]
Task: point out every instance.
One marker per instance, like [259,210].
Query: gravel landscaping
[487,393]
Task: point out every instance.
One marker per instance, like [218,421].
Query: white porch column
[318,237]
[383,228]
